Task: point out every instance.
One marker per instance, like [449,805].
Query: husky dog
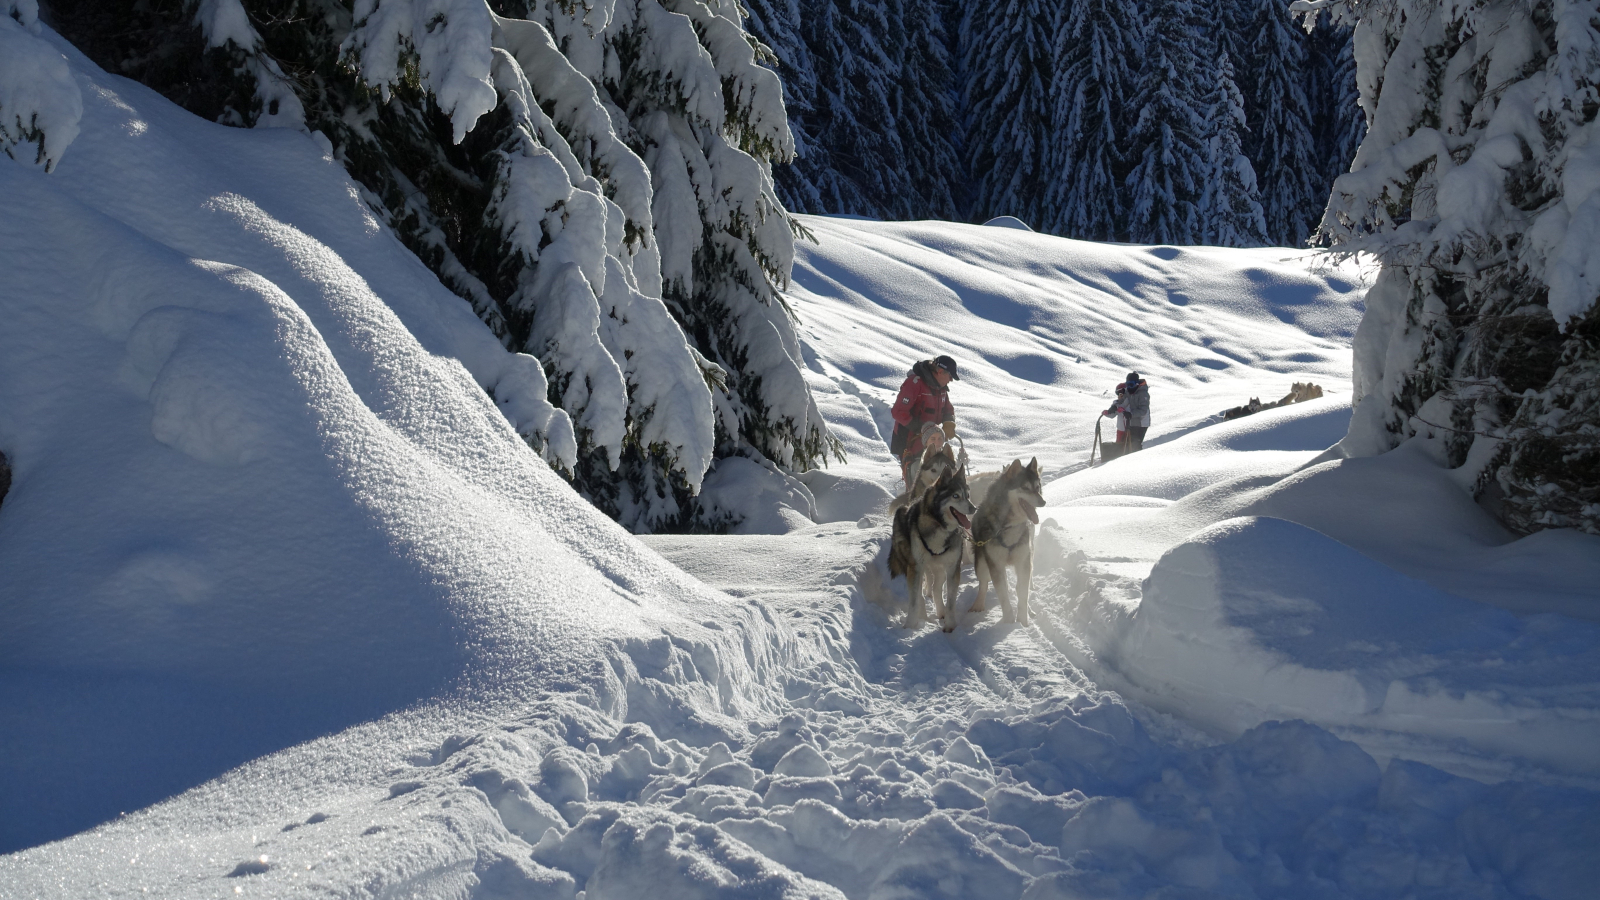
[1002,535]
[924,471]
[1299,393]
[929,537]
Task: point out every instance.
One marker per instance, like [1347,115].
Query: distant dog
[1248,409]
[1298,393]
[1002,535]
[927,543]
[923,472]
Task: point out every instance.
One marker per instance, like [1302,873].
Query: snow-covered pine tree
[495,150]
[853,44]
[1167,142]
[1009,55]
[1226,27]
[779,26]
[1231,214]
[1279,143]
[927,112]
[1478,185]
[709,120]
[872,103]
[1337,120]
[1097,44]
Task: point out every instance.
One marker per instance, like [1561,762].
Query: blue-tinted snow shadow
[822,276]
[1283,295]
[78,749]
[869,372]
[1027,366]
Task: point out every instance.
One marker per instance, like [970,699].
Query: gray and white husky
[929,537]
[1002,534]
[924,471]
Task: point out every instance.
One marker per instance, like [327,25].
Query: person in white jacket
[1136,403]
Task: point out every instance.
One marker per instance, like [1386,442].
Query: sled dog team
[936,528]
[936,523]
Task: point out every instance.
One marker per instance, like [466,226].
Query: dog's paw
[949,629]
[978,607]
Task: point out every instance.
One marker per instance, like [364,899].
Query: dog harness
[992,540]
[931,551]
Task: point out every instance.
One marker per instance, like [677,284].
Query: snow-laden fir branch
[594,178]
[1478,185]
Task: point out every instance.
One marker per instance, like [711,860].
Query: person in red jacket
[923,414]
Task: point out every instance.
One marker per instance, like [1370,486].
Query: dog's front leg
[1024,584]
[952,591]
[980,569]
[914,578]
[1002,589]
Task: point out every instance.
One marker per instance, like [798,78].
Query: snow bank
[1235,576]
[262,491]
[1258,619]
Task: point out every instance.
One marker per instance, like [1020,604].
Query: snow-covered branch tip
[40,103]
[450,40]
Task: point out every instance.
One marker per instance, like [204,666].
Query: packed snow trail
[266,515]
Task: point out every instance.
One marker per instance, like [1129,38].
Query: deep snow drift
[261,495]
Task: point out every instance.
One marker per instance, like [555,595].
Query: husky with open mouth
[1002,535]
[929,537]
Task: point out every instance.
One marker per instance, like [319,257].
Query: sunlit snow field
[288,610]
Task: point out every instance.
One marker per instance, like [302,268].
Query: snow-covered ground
[276,565]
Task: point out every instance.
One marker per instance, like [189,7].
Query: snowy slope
[264,516]
[1043,328]
[258,497]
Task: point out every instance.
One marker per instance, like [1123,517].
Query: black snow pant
[1135,439]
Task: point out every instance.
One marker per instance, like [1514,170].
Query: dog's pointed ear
[1013,466]
[1033,465]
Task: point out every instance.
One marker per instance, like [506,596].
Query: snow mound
[1258,619]
[1008,222]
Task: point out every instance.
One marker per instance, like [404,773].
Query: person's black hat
[947,364]
[1133,377]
